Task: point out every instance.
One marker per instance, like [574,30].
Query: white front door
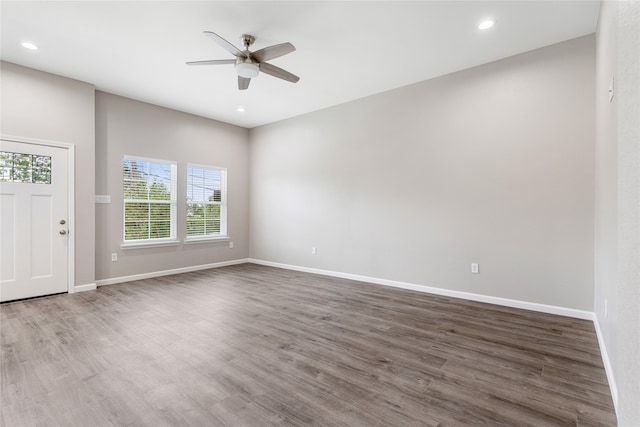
[34,242]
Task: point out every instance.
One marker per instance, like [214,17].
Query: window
[149,199]
[27,168]
[206,202]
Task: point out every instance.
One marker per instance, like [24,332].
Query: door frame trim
[71,174]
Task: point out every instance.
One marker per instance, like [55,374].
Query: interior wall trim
[153,274]
[543,308]
[86,287]
[608,368]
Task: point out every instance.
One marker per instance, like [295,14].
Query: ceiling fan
[248,64]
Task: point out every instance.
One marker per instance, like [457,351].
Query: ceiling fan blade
[271,52]
[243,83]
[225,44]
[212,62]
[278,72]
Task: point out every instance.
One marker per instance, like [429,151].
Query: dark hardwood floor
[249,345]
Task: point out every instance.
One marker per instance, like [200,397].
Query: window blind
[206,201]
[149,199]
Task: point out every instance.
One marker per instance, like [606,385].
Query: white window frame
[173,202]
[222,235]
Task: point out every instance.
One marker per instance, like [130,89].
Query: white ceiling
[345,50]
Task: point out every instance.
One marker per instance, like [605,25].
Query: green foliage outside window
[25,168]
[203,219]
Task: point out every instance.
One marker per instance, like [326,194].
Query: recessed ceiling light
[28,45]
[240,110]
[485,25]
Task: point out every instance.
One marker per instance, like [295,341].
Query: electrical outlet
[314,251]
[475,268]
[114,257]
[231,245]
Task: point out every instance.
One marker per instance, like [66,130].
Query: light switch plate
[103,199]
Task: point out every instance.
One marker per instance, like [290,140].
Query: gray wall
[128,127]
[493,165]
[44,106]
[617,203]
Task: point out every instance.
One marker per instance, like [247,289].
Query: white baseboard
[608,368]
[551,309]
[152,274]
[87,287]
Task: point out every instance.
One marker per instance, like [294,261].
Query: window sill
[192,240]
[149,244]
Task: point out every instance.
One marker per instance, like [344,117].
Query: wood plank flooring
[249,345]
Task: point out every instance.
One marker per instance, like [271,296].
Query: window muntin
[149,188]
[206,205]
[25,168]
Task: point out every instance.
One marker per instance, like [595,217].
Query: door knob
[63,232]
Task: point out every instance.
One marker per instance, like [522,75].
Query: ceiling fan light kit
[247,69]
[249,64]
